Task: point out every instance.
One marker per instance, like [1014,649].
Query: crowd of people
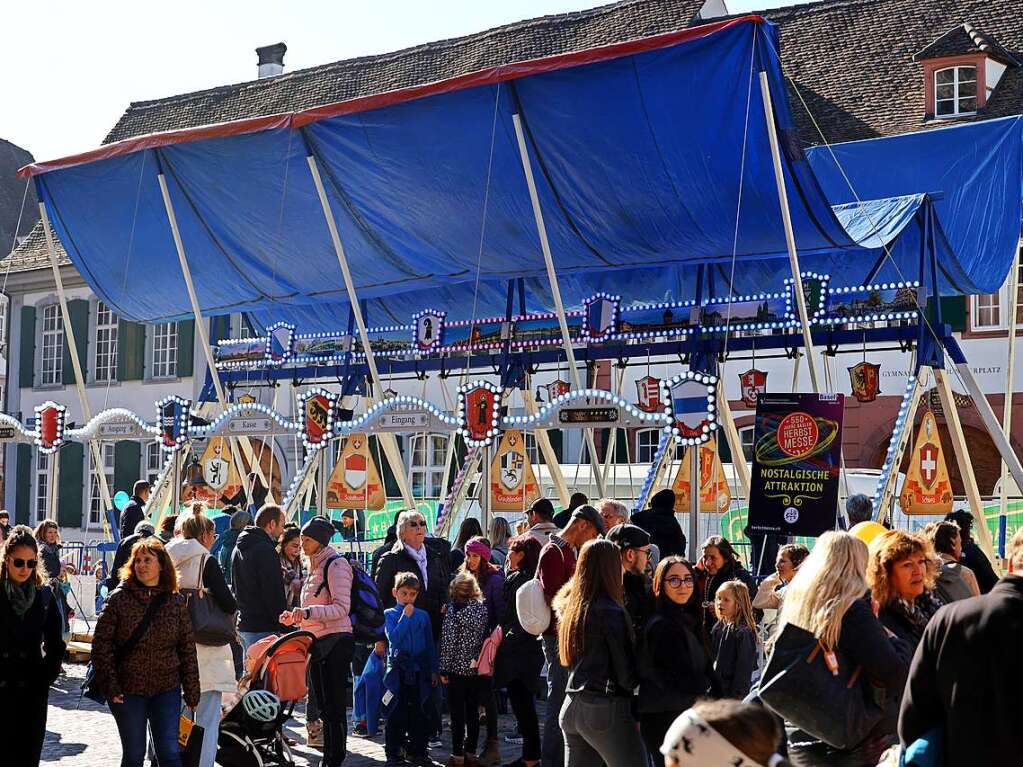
[640,654]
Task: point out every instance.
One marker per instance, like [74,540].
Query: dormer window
[955,91]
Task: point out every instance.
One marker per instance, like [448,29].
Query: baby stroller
[252,733]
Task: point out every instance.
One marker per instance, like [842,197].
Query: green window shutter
[555,437]
[186,342]
[70,485]
[621,446]
[131,350]
[220,329]
[23,485]
[78,310]
[953,312]
[27,349]
[127,460]
[391,488]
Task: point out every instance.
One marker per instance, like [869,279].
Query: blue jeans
[249,638]
[207,716]
[553,745]
[162,712]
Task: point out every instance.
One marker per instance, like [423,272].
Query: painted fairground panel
[769,311]
[657,320]
[321,347]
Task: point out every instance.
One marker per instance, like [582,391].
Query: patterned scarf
[20,596]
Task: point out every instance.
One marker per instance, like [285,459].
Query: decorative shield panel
[866,381]
[479,405]
[318,417]
[927,489]
[429,330]
[648,393]
[752,384]
[355,482]
[50,420]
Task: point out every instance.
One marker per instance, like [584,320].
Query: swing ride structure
[641,201]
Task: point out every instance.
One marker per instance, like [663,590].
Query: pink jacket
[328,610]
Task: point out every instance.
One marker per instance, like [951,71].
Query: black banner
[797,444]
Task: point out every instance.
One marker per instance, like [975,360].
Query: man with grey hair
[859,508]
[957,683]
[616,513]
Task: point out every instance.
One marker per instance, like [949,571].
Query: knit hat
[478,546]
[690,740]
[663,499]
[319,529]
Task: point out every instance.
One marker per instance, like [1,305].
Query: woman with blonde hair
[828,598]
[597,646]
[901,582]
[734,639]
[498,535]
[143,654]
[198,569]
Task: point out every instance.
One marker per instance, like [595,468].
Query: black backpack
[366,611]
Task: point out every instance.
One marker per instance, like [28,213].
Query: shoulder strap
[124,650]
[326,566]
[202,568]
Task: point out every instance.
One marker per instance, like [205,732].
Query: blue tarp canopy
[651,159]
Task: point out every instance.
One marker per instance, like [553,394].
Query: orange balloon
[867,531]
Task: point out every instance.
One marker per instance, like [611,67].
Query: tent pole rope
[200,325]
[552,278]
[790,239]
[388,442]
[76,366]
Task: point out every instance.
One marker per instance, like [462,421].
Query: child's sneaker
[360,729]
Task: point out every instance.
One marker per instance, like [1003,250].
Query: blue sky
[73,67]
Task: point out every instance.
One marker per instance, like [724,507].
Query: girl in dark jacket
[675,663]
[491,582]
[147,683]
[596,645]
[520,656]
[30,644]
[734,639]
[826,598]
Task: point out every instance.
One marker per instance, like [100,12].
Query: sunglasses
[417,524]
[675,581]
[29,563]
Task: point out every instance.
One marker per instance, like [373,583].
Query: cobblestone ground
[85,735]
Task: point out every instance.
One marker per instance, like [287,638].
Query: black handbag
[836,706]
[210,624]
[90,685]
[190,737]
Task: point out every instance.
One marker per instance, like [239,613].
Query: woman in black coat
[520,656]
[30,645]
[675,666]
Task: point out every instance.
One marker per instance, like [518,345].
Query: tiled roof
[852,63]
[965,38]
[18,206]
[352,78]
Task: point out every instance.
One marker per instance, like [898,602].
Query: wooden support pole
[1002,444]
[543,441]
[76,366]
[386,440]
[790,239]
[204,337]
[962,453]
[552,279]
[734,442]
[1003,495]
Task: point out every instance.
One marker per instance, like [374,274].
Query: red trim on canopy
[490,76]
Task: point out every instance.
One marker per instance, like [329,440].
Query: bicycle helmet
[261,705]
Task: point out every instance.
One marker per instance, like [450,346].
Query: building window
[746,438]
[955,91]
[429,453]
[646,445]
[51,347]
[42,486]
[95,502]
[154,462]
[532,449]
[165,350]
[106,344]
[987,312]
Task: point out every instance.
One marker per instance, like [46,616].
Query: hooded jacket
[256,577]
[226,551]
[216,667]
[660,522]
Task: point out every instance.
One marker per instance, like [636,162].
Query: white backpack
[532,608]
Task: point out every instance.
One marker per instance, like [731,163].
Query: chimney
[271,59]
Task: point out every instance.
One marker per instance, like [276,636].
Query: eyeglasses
[29,563]
[675,581]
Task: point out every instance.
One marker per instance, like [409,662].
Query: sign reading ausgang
[124,429]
